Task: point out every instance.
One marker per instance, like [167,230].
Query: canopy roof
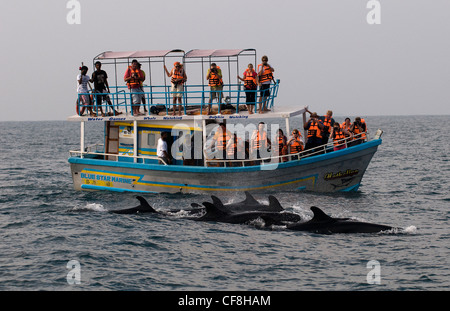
[215,53]
[136,54]
[162,53]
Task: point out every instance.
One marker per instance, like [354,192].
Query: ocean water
[45,224]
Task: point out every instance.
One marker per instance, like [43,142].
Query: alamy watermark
[374,15]
[374,275]
[74,275]
[74,15]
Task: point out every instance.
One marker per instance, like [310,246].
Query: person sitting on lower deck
[295,144]
[162,150]
[260,143]
[235,150]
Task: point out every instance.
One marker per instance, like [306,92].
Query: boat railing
[195,98]
[322,149]
[97,152]
[111,156]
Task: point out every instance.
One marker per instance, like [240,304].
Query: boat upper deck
[154,94]
[128,116]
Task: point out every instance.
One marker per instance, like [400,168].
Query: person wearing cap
[314,127]
[179,77]
[134,77]
[84,99]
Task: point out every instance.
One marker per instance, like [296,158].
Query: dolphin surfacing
[144,207]
[219,214]
[325,224]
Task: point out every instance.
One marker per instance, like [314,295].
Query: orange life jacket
[338,137]
[314,129]
[267,74]
[359,134]
[177,74]
[214,79]
[280,144]
[134,83]
[233,148]
[296,146]
[260,141]
[222,139]
[327,124]
[249,80]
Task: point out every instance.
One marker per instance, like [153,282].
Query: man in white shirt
[162,149]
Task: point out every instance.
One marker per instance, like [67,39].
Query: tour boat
[125,160]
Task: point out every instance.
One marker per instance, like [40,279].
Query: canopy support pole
[82,139]
[135,140]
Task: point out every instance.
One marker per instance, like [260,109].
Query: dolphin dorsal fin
[319,215]
[274,204]
[249,199]
[145,204]
[212,209]
[218,203]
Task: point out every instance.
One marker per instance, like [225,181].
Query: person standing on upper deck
[133,77]
[265,77]
[179,77]
[251,85]
[214,76]
[84,99]
[100,80]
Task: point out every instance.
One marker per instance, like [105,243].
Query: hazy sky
[324,51]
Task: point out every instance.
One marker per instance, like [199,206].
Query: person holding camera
[314,127]
[134,77]
[214,76]
[179,77]
[359,129]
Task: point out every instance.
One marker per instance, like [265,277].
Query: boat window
[151,139]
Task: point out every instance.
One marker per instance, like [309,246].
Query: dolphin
[322,223]
[144,207]
[214,213]
[249,204]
